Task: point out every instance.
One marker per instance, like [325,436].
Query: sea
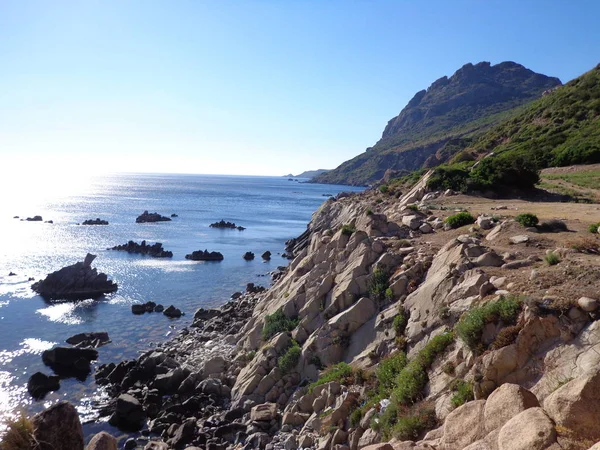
[273,210]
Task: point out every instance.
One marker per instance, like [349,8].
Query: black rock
[159,308]
[174,215]
[205,255]
[251,288]
[248,256]
[172,312]
[223,224]
[70,362]
[92,339]
[96,221]
[138,308]
[129,414]
[151,217]
[34,219]
[40,384]
[156,250]
[266,255]
[12,274]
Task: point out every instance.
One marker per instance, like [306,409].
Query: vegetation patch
[460,219]
[348,229]
[340,372]
[19,435]
[593,228]
[290,358]
[277,323]
[585,245]
[400,321]
[552,258]
[379,284]
[463,393]
[388,371]
[527,219]
[470,326]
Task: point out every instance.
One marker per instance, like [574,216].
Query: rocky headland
[76,282]
[155,250]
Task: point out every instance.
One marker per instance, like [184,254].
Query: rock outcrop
[156,250]
[76,282]
[205,255]
[96,221]
[223,224]
[58,428]
[147,217]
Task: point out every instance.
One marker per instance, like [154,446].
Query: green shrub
[369,212]
[400,321]
[388,370]
[527,219]
[470,326]
[384,188]
[552,258]
[348,230]
[355,417]
[594,228]
[277,323]
[463,393]
[19,435]
[338,372]
[290,358]
[378,284]
[460,220]
[410,427]
[453,177]
[413,207]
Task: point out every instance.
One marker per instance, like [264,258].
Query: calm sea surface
[272,209]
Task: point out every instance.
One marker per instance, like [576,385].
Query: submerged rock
[205,255]
[156,250]
[151,217]
[92,339]
[76,282]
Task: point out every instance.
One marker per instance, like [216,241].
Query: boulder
[58,428]
[146,217]
[369,438]
[488,259]
[506,402]
[353,318]
[531,429]
[384,446]
[40,384]
[129,414]
[575,405]
[484,222]
[264,412]
[92,339]
[76,282]
[519,239]
[588,304]
[464,425]
[102,441]
[248,256]
[205,255]
[413,221]
[172,312]
[66,361]
[425,228]
[266,255]
[96,221]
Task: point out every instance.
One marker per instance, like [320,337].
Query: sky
[247,87]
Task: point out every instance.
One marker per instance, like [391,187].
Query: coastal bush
[460,219]
[290,358]
[453,177]
[388,370]
[400,321]
[277,323]
[527,219]
[19,435]
[506,336]
[470,326]
[369,212]
[348,229]
[412,207]
[412,379]
[378,284]
[552,258]
[339,372]
[411,426]
[593,228]
[384,188]
[463,393]
[355,417]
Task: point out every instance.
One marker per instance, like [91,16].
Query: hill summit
[475,97]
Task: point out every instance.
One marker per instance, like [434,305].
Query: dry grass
[19,435]
[589,245]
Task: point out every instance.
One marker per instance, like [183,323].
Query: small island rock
[155,250]
[248,256]
[223,224]
[96,221]
[40,384]
[205,255]
[146,217]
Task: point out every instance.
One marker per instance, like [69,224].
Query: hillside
[559,129]
[473,99]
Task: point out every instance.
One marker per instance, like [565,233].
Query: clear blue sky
[249,87]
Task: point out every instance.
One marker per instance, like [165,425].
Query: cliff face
[474,98]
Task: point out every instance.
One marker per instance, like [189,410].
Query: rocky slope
[390,329]
[423,134]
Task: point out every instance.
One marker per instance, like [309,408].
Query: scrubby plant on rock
[290,358]
[379,284]
[19,435]
[552,258]
[527,219]
[460,219]
[463,393]
[277,323]
[348,229]
[339,372]
[594,228]
[388,370]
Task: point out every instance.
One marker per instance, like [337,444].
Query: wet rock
[205,255]
[248,256]
[129,414]
[96,221]
[172,312]
[146,217]
[67,361]
[92,339]
[266,255]
[34,219]
[40,384]
[102,441]
[58,428]
[76,282]
[155,250]
[223,224]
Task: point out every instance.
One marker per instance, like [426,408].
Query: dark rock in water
[96,221]
[139,308]
[70,362]
[130,444]
[58,428]
[155,250]
[172,312]
[248,256]
[34,219]
[174,215]
[15,217]
[76,282]
[92,339]
[223,224]
[266,255]
[129,414]
[12,274]
[326,195]
[151,217]
[159,308]
[236,295]
[251,288]
[40,384]
[205,255]
[49,221]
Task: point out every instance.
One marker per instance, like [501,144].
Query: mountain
[424,134]
[560,129]
[308,174]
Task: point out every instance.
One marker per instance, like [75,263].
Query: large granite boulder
[58,428]
[76,282]
[151,217]
[102,441]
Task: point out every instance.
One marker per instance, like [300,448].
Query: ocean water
[272,209]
